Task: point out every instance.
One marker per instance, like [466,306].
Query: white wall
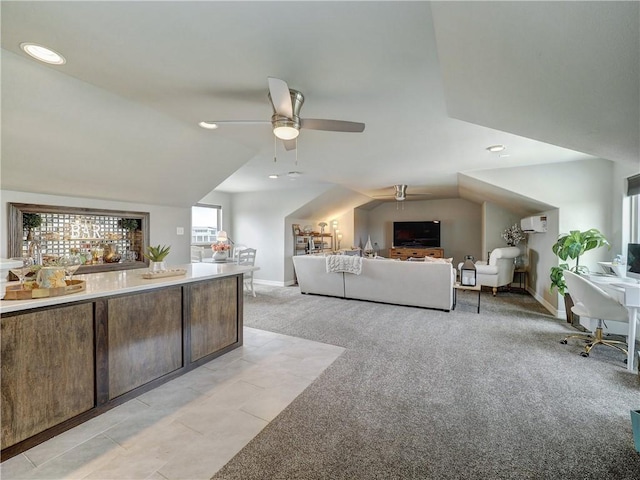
[460,228]
[260,221]
[495,221]
[540,260]
[163,220]
[582,192]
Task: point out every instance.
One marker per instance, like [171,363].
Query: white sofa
[419,284]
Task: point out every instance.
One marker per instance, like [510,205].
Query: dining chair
[247,257]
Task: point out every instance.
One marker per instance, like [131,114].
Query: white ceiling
[119,119]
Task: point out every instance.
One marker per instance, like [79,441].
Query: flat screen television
[416,234]
[633,261]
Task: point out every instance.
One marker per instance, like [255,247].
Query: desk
[628,294]
[457,286]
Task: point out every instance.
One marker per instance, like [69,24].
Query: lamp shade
[468,273]
[222,236]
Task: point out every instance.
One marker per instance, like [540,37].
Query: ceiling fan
[400,194]
[286,121]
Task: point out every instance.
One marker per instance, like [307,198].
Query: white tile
[84,432]
[16,466]
[77,462]
[189,427]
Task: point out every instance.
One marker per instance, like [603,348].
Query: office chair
[248,257]
[593,302]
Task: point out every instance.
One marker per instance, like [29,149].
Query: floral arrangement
[513,235]
[220,247]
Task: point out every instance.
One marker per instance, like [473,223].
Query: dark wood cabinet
[145,338]
[415,252]
[62,365]
[213,314]
[47,370]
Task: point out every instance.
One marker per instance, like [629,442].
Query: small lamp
[222,236]
[468,272]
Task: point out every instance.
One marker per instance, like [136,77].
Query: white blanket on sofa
[344,263]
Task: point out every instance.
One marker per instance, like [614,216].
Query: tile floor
[190,427]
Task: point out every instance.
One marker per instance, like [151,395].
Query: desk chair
[248,257]
[593,302]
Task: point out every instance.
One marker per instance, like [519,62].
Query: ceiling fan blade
[290,144]
[280,97]
[331,125]
[237,122]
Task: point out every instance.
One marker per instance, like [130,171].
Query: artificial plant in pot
[156,256]
[570,246]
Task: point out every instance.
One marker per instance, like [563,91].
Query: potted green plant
[571,246]
[156,256]
[129,224]
[29,222]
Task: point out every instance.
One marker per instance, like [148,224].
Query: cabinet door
[213,316]
[145,338]
[47,369]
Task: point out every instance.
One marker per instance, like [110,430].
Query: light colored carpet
[423,394]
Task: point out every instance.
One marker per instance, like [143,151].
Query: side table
[457,286]
[523,277]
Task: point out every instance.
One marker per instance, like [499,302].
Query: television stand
[403,253]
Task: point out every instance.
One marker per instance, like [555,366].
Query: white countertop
[125,281]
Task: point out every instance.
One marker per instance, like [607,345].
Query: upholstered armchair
[499,271]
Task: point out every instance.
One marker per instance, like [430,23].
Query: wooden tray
[164,273]
[17,292]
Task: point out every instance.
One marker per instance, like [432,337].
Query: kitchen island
[69,358]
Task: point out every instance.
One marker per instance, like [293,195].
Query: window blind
[633,185]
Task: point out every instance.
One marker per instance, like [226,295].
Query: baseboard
[542,301]
[273,283]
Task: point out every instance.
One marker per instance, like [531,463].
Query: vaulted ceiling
[435,84]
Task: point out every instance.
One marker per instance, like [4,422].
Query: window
[205,224]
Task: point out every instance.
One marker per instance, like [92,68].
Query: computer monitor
[633,261]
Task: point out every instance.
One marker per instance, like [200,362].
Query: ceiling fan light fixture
[401,192]
[43,54]
[496,148]
[285,132]
[208,125]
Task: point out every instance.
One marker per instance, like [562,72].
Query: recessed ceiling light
[496,148]
[209,125]
[273,175]
[43,54]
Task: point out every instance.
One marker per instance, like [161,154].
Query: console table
[404,253]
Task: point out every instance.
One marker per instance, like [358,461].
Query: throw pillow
[438,260]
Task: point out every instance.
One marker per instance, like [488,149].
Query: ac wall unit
[535,224]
